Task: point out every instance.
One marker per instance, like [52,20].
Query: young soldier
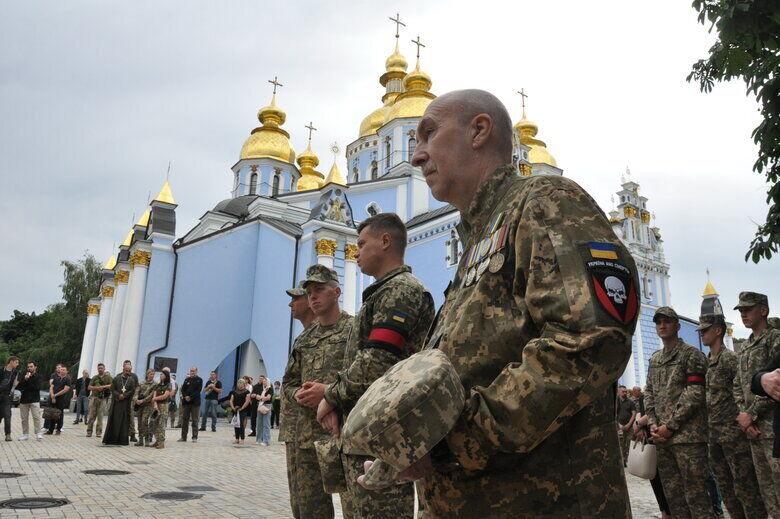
[100,388]
[143,407]
[728,448]
[288,426]
[755,412]
[675,400]
[318,356]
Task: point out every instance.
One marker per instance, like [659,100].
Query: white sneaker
[39,436]
[24,438]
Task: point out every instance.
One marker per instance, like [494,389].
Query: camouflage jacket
[756,353]
[675,393]
[144,391]
[159,389]
[317,356]
[391,325]
[97,380]
[721,408]
[290,410]
[539,340]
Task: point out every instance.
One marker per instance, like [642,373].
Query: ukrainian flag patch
[602,250]
[399,317]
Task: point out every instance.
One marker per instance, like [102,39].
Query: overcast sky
[97,97]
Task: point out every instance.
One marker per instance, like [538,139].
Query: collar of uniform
[752,339]
[327,330]
[482,204]
[373,287]
[714,360]
[671,354]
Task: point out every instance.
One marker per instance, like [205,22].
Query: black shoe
[202,429]
[133,438]
[8,437]
[214,430]
[252,434]
[182,440]
[49,432]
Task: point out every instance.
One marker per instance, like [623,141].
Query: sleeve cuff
[468,443]
[756,387]
[330,396]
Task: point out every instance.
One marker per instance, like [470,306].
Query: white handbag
[642,461]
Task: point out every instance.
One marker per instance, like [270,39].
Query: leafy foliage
[55,335]
[748,48]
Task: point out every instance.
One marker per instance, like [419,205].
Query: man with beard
[122,390]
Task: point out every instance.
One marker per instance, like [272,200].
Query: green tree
[748,48]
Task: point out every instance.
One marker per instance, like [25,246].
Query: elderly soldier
[143,407]
[391,325]
[729,451]
[755,412]
[100,388]
[675,399]
[530,326]
[288,425]
[318,356]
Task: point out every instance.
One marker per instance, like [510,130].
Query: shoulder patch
[613,282]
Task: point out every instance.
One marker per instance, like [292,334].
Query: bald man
[537,323]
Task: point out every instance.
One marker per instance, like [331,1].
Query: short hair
[127,362]
[101,364]
[621,387]
[241,381]
[389,223]
[32,362]
[214,372]
[471,102]
[12,358]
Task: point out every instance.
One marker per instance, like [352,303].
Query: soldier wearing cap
[728,448]
[755,412]
[288,424]
[675,399]
[537,323]
[318,356]
[396,313]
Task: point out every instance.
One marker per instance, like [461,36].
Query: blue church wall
[270,328]
[384,198]
[428,264]
[154,320]
[433,203]
[213,298]
[226,371]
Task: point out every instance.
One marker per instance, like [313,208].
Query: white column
[326,248]
[640,350]
[90,332]
[104,321]
[134,306]
[114,328]
[350,277]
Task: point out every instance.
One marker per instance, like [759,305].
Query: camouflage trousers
[767,473]
[733,467]
[625,442]
[97,411]
[131,429]
[683,468]
[307,497]
[291,450]
[396,502]
[143,414]
[158,425]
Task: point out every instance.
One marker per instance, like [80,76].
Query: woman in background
[264,412]
[239,401]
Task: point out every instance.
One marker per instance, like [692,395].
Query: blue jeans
[264,434]
[82,407]
[209,409]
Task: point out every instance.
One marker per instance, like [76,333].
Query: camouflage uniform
[158,424]
[391,325]
[675,396]
[144,392]
[318,355]
[755,354]
[539,341]
[98,404]
[729,451]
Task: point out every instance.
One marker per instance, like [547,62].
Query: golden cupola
[269,140]
[538,154]
[307,161]
[335,176]
[416,96]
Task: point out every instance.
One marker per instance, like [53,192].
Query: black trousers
[276,408]
[57,424]
[253,415]
[239,431]
[5,412]
[190,414]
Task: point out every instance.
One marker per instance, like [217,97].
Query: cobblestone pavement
[250,480]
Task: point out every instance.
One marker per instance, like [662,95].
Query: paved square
[249,481]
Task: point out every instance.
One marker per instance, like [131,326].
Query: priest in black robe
[122,390]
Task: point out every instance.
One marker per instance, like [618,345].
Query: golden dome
[269,140]
[335,176]
[415,99]
[310,179]
[709,290]
[165,194]
[110,264]
[128,239]
[144,220]
[538,153]
[396,62]
[373,121]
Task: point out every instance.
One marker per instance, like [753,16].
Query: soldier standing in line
[142,403]
[675,400]
[728,447]
[391,325]
[537,323]
[288,424]
[159,398]
[318,356]
[100,388]
[755,412]
[626,414]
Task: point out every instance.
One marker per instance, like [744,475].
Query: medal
[483,266]
[472,273]
[496,262]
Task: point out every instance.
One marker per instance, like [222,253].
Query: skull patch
[616,290]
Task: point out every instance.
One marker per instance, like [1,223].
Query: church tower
[710,304]
[531,154]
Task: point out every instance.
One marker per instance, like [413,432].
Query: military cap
[320,274]
[297,291]
[748,299]
[404,414]
[666,311]
[708,320]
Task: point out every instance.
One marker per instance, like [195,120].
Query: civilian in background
[212,390]
[30,387]
[239,401]
[276,404]
[190,402]
[7,382]
[81,392]
[264,411]
[59,387]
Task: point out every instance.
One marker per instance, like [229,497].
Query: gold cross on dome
[523,95]
[398,24]
[311,128]
[275,83]
[419,44]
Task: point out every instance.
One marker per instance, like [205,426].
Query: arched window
[387,154]
[453,252]
[253,184]
[275,186]
[355,174]
[412,146]
[374,170]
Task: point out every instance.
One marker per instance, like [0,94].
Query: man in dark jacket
[30,387]
[190,403]
[767,383]
[7,382]
[81,393]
